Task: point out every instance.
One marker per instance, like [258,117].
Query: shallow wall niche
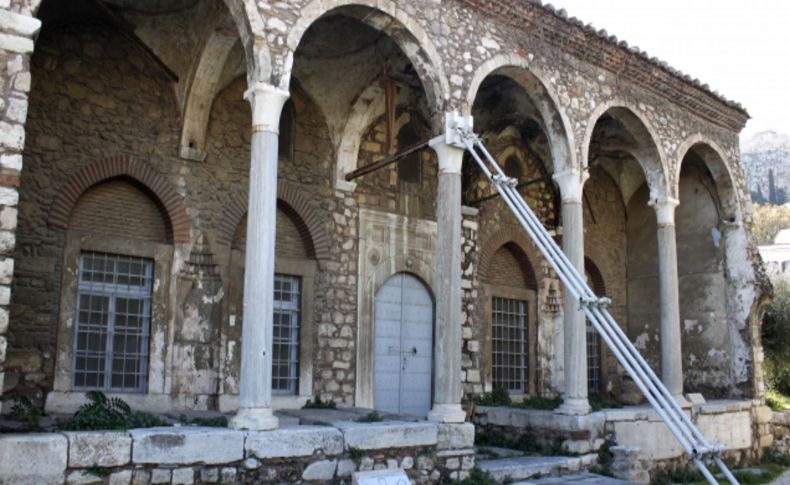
[703,286]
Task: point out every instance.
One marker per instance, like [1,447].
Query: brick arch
[529,259]
[169,202]
[308,223]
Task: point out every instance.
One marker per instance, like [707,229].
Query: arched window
[115,227]
[410,167]
[285,146]
[594,349]
[513,167]
[510,282]
[293,297]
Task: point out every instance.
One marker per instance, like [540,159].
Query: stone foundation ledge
[218,455]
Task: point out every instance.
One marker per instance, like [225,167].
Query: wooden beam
[386,161]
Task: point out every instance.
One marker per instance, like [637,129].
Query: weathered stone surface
[455,436]
[186,445]
[35,459]
[183,476]
[99,448]
[82,477]
[122,477]
[320,470]
[161,475]
[374,436]
[294,441]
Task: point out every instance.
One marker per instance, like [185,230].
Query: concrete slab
[577,479]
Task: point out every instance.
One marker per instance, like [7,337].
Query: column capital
[571,184]
[450,157]
[665,210]
[267,103]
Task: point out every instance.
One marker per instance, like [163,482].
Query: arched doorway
[403,346]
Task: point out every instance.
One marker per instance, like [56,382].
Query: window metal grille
[285,344]
[593,360]
[509,344]
[113,319]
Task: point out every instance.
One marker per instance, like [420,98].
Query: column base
[256,419]
[574,407]
[447,413]
[682,401]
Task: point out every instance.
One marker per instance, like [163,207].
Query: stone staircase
[510,466]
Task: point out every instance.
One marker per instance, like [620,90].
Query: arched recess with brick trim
[123,166]
[510,315]
[516,237]
[308,223]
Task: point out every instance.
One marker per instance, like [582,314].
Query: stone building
[177,227]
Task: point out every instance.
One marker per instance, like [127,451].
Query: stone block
[345,468]
[228,475]
[160,475]
[455,436]
[295,441]
[99,448]
[16,43]
[18,23]
[320,470]
[81,477]
[141,477]
[35,459]
[187,445]
[11,161]
[733,430]
[11,136]
[380,477]
[183,476]
[376,436]
[122,477]
[209,475]
[654,439]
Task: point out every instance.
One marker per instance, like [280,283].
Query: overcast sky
[740,48]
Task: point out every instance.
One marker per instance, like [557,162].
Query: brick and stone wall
[427,453]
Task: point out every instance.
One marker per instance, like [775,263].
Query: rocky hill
[766,161]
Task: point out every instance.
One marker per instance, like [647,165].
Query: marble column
[447,346]
[255,396]
[671,355]
[571,184]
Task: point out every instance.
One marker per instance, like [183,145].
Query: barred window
[509,344]
[285,344]
[593,360]
[112,324]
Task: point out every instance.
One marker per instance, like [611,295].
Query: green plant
[102,412]
[371,417]
[213,422]
[598,402]
[497,397]
[317,403]
[605,459]
[777,401]
[355,454]
[539,402]
[776,334]
[24,410]
[476,477]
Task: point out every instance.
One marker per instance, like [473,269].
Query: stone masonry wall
[427,452]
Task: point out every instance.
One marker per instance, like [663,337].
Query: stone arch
[252,32]
[555,122]
[308,222]
[719,169]
[401,27]
[649,154]
[517,237]
[165,197]
[368,107]
[203,88]
[597,283]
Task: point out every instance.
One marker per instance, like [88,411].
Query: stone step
[523,467]
[576,479]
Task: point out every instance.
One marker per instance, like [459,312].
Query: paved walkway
[784,479]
